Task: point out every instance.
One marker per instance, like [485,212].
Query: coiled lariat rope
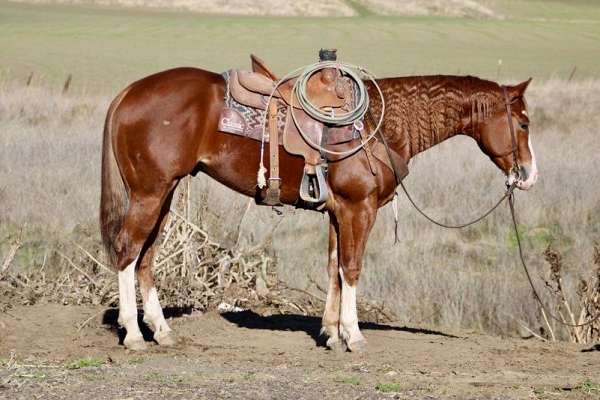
[353,116]
[329,116]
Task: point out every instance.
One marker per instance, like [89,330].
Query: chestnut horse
[164,127]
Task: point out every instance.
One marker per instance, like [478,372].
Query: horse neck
[421,112]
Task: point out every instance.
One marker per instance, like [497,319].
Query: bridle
[516,169]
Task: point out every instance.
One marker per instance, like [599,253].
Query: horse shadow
[310,325]
[250,320]
[595,347]
[110,318]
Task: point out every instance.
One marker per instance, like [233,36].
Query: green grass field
[107,48]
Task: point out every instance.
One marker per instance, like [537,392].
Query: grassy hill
[106,48]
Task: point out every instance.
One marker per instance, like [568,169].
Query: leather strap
[367,149]
[399,166]
[273,190]
[513,136]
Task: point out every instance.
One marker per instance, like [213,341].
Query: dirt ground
[55,352]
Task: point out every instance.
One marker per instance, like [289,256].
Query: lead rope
[511,202]
[507,194]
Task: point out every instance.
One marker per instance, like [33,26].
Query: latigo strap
[273,190]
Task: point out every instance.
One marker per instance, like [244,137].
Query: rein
[509,194]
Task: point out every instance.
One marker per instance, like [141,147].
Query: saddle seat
[326,89]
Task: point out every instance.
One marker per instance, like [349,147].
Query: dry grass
[308,8]
[583,316]
[452,8]
[312,8]
[49,190]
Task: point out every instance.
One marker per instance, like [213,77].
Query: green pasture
[107,48]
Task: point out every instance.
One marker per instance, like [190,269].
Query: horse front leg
[331,315]
[355,221]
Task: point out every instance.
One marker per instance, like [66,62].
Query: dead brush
[587,300]
[192,272]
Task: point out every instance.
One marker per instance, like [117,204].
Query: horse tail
[113,196]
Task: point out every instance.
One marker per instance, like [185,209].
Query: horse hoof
[359,346]
[336,345]
[166,338]
[135,344]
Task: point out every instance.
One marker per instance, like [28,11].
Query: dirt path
[244,355]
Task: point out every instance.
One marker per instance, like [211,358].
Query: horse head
[509,147]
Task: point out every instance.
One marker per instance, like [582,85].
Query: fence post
[67,84]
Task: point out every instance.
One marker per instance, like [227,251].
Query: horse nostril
[523,173]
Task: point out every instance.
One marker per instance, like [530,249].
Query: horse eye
[525,127]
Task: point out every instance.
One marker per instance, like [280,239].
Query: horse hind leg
[128,309]
[153,312]
[140,220]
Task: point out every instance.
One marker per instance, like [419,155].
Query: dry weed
[587,299]
[319,8]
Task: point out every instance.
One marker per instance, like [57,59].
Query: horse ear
[518,91]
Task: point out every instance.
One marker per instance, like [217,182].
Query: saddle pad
[243,120]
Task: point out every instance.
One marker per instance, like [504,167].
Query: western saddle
[326,89]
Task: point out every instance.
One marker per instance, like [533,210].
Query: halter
[513,136]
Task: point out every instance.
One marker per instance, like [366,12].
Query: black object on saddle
[328,55]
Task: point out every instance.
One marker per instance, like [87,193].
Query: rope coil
[330,118]
[362,105]
[303,74]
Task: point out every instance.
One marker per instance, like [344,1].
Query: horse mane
[484,100]
[422,111]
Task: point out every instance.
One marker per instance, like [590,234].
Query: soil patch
[53,351]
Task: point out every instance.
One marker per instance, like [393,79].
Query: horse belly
[234,161]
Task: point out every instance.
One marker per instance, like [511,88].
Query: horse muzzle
[525,178]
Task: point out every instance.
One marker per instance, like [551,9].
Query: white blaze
[532,169]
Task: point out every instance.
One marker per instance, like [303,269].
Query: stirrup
[315,184]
